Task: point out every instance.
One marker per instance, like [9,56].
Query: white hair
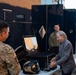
[61,33]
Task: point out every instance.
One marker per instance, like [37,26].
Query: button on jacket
[65,56]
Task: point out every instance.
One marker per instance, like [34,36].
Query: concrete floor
[59,72]
[74,72]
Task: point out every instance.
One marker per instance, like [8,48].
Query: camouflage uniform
[53,40]
[9,64]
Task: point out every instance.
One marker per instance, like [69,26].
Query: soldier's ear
[2,34]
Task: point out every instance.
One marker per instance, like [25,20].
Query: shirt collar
[63,42]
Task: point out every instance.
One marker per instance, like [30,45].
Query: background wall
[22,3]
[19,19]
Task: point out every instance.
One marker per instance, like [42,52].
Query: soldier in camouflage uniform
[52,38]
[9,64]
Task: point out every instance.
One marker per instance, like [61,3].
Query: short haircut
[56,25]
[3,25]
[61,33]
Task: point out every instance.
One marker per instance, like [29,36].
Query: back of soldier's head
[3,25]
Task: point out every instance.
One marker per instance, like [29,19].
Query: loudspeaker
[44,17]
[17,31]
[39,14]
[70,25]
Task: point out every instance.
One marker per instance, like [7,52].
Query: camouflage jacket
[9,64]
[53,40]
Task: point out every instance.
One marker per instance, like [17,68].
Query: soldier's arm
[11,61]
[50,41]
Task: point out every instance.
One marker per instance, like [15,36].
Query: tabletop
[43,72]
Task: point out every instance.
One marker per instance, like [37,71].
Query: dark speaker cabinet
[69,22]
[44,17]
[17,31]
[39,14]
